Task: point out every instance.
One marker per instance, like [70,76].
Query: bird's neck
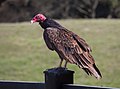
[44,24]
[50,23]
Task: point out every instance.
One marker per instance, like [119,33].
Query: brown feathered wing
[72,48]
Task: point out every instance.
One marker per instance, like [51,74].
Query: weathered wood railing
[57,78]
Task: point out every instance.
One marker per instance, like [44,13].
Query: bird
[69,46]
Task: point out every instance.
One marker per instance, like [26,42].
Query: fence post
[56,77]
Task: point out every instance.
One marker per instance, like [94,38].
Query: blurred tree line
[24,10]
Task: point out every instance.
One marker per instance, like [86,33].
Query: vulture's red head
[38,18]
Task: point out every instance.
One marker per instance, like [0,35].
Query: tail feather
[87,71]
[86,62]
[93,71]
[97,70]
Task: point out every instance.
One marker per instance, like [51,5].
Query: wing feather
[72,48]
[81,42]
[65,43]
[47,40]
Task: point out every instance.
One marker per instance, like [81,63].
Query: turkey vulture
[69,46]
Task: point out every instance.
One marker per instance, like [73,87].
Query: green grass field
[24,55]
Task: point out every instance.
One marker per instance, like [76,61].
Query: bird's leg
[60,65]
[65,64]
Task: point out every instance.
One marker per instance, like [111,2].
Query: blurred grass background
[24,55]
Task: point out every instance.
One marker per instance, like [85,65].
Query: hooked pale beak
[32,21]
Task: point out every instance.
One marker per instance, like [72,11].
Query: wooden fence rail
[54,79]
[21,85]
[38,85]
